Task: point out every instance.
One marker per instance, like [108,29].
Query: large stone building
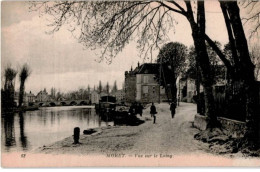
[147,88]
[141,86]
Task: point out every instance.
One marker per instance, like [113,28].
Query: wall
[130,87]
[233,127]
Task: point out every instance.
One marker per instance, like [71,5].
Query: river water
[32,129]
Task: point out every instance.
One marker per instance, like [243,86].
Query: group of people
[153,111]
[137,108]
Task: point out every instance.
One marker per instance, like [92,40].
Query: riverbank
[169,142]
[166,136]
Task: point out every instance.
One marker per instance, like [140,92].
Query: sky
[59,61]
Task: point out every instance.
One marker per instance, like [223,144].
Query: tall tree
[107,88]
[172,59]
[24,73]
[114,89]
[243,69]
[88,89]
[99,89]
[111,25]
[8,92]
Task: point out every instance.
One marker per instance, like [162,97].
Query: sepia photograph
[129,83]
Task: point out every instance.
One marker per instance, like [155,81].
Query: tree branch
[218,51]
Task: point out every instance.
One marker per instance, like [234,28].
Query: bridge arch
[83,102]
[63,103]
[73,103]
[31,103]
[41,104]
[52,104]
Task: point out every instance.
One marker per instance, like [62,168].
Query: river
[32,129]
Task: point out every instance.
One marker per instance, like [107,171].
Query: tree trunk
[244,71]
[21,94]
[197,83]
[174,90]
[202,58]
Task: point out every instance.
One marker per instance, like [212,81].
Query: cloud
[58,60]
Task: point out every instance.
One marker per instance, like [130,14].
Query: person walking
[172,108]
[153,112]
[140,109]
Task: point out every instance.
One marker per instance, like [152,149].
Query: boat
[106,106]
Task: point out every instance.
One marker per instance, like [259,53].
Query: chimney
[138,64]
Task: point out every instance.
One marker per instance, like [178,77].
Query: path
[168,135]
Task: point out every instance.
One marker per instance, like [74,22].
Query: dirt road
[169,135]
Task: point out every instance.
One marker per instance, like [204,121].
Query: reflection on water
[26,131]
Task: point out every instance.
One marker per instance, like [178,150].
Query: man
[140,109]
[172,108]
[153,112]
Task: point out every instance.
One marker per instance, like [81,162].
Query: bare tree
[252,8]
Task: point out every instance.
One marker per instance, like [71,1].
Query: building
[187,85]
[95,97]
[42,96]
[120,96]
[141,86]
[30,98]
[187,89]
[147,88]
[130,85]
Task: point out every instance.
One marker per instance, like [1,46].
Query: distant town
[140,85]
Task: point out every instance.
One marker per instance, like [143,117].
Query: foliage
[7,94]
[23,75]
[172,57]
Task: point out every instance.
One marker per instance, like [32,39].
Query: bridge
[63,103]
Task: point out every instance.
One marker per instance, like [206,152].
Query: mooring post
[76,135]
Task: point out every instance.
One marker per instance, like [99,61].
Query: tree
[243,69]
[99,89]
[24,73]
[114,89]
[53,93]
[8,91]
[107,88]
[111,25]
[88,89]
[255,56]
[172,59]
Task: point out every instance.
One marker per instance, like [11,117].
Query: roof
[148,68]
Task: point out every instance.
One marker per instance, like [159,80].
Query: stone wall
[233,127]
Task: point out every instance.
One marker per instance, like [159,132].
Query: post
[76,135]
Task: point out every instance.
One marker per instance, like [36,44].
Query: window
[145,89]
[146,78]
